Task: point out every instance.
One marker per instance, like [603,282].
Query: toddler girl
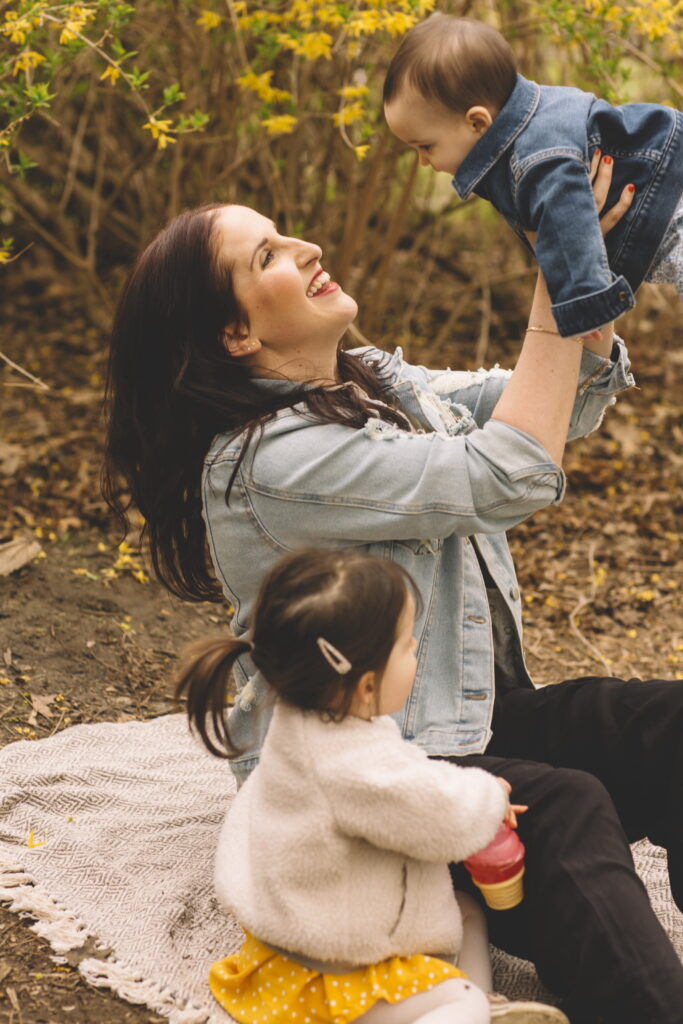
[334,853]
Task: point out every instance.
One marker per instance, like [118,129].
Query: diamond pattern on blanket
[128,815]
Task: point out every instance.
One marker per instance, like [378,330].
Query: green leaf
[173,94]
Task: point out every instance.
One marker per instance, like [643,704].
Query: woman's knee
[574,791]
[574,815]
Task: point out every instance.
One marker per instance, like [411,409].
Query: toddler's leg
[460,1001]
[475,954]
[456,1001]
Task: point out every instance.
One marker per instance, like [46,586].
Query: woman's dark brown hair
[459,62]
[351,599]
[172,387]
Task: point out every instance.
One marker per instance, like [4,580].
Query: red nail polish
[597,152]
[607,159]
[631,188]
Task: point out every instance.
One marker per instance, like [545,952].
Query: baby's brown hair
[459,62]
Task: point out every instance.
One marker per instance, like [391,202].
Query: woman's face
[294,309]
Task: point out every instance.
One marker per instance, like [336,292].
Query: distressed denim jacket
[436,500]
[533,165]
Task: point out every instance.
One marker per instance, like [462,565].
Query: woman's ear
[240,342]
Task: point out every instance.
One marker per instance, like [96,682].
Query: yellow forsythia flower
[364,23]
[397,23]
[347,115]
[159,129]
[260,84]
[316,44]
[76,17]
[16,27]
[113,73]
[353,92]
[311,46]
[27,59]
[208,20]
[281,124]
[361,151]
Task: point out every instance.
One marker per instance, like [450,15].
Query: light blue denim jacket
[424,499]
[533,165]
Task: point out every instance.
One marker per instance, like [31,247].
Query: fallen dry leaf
[17,553]
[42,704]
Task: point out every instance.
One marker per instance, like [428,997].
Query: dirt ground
[85,636]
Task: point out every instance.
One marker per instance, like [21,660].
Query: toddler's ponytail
[203,680]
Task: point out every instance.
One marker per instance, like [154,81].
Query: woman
[235,418]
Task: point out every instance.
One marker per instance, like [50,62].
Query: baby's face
[442,137]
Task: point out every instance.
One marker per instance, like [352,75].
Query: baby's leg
[455,1001]
[474,957]
[667,266]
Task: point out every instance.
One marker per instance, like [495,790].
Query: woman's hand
[600,340]
[601,177]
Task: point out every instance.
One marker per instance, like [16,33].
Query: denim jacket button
[514,593]
[622,296]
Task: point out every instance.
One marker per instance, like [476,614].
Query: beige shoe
[503,1011]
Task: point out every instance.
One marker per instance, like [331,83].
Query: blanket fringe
[64,932]
[135,989]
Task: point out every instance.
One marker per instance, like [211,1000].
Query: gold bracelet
[547,330]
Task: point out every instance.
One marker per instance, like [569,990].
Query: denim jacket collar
[390,363]
[512,119]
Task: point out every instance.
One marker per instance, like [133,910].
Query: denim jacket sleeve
[600,380]
[555,200]
[380,483]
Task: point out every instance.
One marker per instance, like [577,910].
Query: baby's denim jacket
[533,165]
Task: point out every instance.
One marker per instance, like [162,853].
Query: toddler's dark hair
[460,62]
[351,599]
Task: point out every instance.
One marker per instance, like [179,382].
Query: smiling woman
[292,312]
[242,431]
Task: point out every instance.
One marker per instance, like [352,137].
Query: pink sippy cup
[497,870]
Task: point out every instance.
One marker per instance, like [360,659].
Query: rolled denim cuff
[587,313]
[606,376]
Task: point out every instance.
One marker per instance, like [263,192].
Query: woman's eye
[425,148]
[267,257]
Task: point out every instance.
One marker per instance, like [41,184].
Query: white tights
[457,1000]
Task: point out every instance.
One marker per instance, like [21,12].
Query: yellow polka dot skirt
[258,985]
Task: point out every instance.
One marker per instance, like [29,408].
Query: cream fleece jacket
[337,845]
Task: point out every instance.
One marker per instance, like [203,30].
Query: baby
[453,92]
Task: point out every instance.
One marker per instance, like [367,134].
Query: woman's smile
[321,284]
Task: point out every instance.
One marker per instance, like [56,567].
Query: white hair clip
[333,657]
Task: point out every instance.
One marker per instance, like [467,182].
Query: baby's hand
[513,809]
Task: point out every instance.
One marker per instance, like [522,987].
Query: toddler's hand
[513,809]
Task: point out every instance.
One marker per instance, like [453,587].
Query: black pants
[600,763]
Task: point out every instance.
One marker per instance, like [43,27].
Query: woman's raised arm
[540,394]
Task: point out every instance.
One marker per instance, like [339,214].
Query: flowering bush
[117,115]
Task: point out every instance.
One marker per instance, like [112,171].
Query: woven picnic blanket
[107,835]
